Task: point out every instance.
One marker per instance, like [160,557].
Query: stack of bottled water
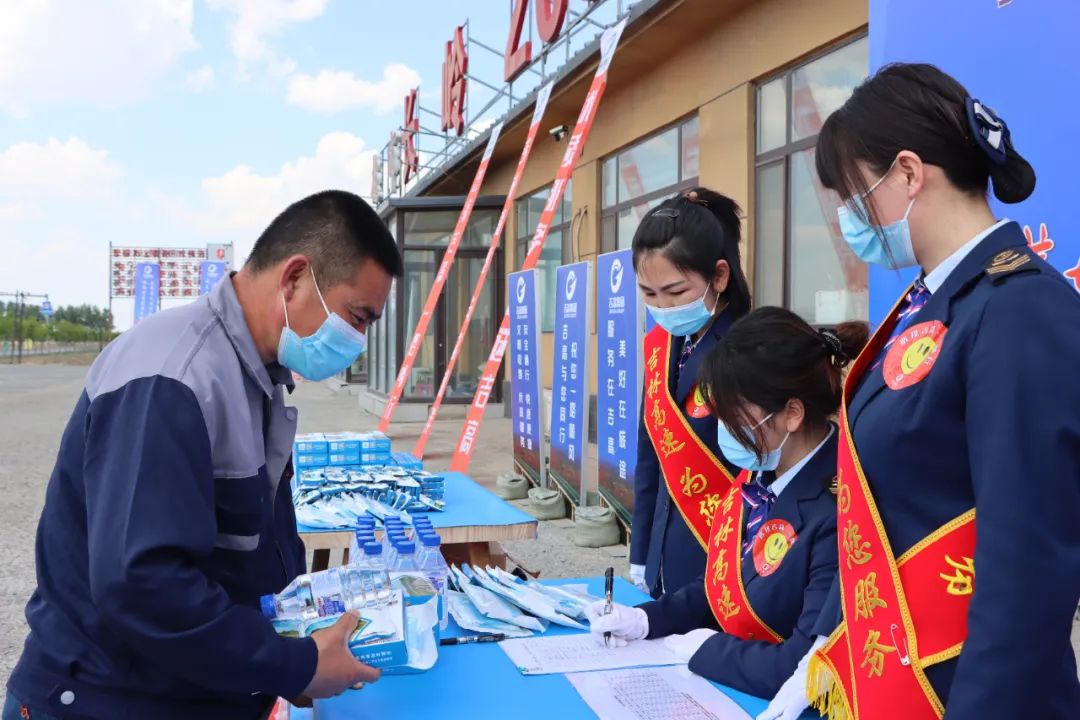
[432,564]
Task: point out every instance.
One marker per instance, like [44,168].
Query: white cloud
[37,172]
[59,197]
[334,90]
[240,203]
[201,79]
[109,52]
[256,21]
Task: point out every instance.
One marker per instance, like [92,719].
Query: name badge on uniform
[771,544]
[695,404]
[913,354]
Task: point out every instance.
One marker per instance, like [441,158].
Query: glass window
[691,149]
[556,247]
[769,236]
[644,175]
[800,257]
[821,86]
[649,166]
[433,228]
[772,115]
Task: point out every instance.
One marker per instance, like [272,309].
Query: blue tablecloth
[467,505]
[479,681]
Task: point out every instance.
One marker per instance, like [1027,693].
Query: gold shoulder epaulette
[1007,261]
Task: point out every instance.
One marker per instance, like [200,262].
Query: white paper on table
[669,693]
[556,654]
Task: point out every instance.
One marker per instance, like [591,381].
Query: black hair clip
[833,345]
[988,130]
[666,212]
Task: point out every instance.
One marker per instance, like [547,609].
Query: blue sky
[182,122]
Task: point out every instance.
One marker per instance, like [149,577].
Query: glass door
[480,335]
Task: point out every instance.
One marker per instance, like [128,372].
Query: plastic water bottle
[361,537]
[380,578]
[405,560]
[322,594]
[434,567]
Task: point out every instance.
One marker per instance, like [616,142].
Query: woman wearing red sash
[775,381]
[959,463]
[686,254]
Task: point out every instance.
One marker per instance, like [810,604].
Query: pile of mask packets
[341,477]
[494,601]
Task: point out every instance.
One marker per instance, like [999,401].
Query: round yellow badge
[771,545]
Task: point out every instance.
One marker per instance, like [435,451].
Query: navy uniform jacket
[167,515]
[789,600]
[995,425]
[661,538]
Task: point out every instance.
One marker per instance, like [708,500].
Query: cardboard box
[311,444]
[308,460]
[344,458]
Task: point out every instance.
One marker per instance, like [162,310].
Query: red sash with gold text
[723,571]
[696,480]
[901,615]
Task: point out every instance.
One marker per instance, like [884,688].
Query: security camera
[558,132]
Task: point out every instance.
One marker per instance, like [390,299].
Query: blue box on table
[308,460]
[374,441]
[349,457]
[310,444]
[344,442]
[406,460]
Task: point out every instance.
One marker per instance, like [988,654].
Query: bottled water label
[326,587]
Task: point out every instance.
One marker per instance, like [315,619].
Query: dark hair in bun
[917,107]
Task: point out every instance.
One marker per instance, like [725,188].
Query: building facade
[721,93]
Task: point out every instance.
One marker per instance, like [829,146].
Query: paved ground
[37,400]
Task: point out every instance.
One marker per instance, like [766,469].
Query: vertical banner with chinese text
[210,274]
[526,391]
[440,281]
[467,441]
[147,289]
[618,377]
[569,392]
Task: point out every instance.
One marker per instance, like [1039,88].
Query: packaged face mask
[469,618]
[526,599]
[493,606]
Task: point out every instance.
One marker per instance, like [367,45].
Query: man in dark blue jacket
[168,513]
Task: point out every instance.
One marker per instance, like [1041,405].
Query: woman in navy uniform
[963,425]
[777,380]
[686,255]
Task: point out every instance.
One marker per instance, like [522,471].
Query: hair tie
[834,347]
[989,131]
[693,197]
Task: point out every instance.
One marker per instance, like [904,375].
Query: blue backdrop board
[526,394]
[210,274]
[479,681]
[570,399]
[147,289]
[1017,57]
[467,505]
[618,377]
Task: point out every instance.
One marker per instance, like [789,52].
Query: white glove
[624,623]
[637,576]
[684,646]
[790,700]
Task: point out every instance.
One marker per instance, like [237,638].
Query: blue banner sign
[46,309]
[147,289]
[1032,89]
[569,397]
[618,377]
[526,393]
[210,274]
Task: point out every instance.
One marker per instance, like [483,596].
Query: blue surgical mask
[746,458]
[876,244]
[684,319]
[333,347]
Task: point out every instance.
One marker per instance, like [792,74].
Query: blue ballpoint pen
[609,589]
